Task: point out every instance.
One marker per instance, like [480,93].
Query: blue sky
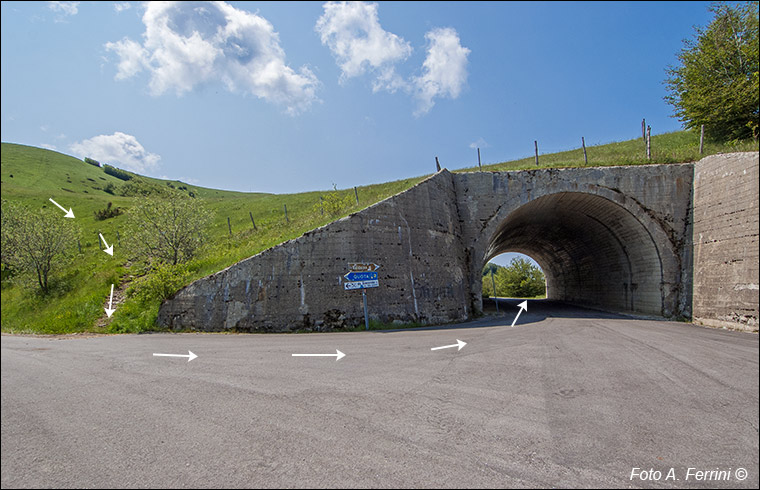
[297,96]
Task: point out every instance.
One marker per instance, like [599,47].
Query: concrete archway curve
[597,247]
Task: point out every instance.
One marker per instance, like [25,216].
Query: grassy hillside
[30,176]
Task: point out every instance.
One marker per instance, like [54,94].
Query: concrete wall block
[726,241]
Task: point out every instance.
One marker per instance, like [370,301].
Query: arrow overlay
[190,356]
[109,310]
[523,306]
[69,213]
[338,355]
[459,344]
[108,250]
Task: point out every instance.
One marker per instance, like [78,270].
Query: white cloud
[187,44]
[121,6]
[66,8]
[353,33]
[444,71]
[132,57]
[480,143]
[118,149]
[48,146]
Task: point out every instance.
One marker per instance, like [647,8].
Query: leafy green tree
[521,279]
[716,80]
[167,229]
[36,243]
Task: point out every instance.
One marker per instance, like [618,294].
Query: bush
[109,188]
[108,212]
[142,188]
[333,203]
[160,284]
[117,172]
[91,161]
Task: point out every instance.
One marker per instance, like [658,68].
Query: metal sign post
[362,276]
[366,316]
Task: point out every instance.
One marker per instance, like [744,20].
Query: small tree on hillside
[167,229]
[36,243]
[716,82]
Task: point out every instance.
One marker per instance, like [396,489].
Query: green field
[30,176]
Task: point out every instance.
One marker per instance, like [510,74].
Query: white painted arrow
[338,355]
[190,356]
[69,213]
[523,306]
[459,344]
[108,250]
[109,310]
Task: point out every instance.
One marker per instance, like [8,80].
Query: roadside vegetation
[520,279]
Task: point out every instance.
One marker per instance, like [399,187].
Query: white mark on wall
[751,287]
[411,273]
[304,309]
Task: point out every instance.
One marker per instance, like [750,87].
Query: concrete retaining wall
[726,241]
[617,238]
[299,284]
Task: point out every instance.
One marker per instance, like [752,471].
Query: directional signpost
[362,276]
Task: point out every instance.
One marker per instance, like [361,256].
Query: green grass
[675,147]
[30,176]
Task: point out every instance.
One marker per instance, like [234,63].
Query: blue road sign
[361,284]
[361,276]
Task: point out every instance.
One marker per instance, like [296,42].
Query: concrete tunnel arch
[595,250]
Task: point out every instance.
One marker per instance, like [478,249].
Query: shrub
[107,212]
[109,188]
[117,172]
[142,188]
[159,284]
[91,161]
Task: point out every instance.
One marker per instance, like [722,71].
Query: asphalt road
[566,398]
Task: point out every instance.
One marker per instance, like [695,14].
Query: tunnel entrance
[593,251]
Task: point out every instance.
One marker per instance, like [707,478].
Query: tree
[716,81]
[35,242]
[167,229]
[520,279]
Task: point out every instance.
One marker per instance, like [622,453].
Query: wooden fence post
[229,225]
[649,142]
[585,157]
[644,129]
[536,143]
[79,245]
[356,193]
[252,222]
[118,238]
[437,165]
[286,213]
[480,167]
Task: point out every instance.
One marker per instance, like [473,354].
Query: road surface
[566,398]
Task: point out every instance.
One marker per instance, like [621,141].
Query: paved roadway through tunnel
[567,398]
